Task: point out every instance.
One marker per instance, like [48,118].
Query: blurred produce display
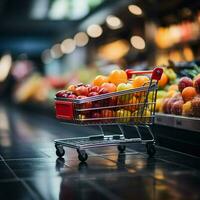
[179,96]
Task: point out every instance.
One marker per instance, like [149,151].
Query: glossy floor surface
[29,168]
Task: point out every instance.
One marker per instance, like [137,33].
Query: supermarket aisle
[29,168]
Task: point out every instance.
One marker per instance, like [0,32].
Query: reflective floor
[29,168]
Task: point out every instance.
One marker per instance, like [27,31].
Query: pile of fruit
[124,107]
[182,98]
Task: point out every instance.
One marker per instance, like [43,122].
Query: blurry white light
[68,46]
[81,39]
[113,22]
[59,9]
[138,42]
[5,65]
[56,51]
[136,10]
[46,56]
[94,30]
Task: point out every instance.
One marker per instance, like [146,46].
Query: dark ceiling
[19,33]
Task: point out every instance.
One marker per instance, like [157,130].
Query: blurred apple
[94,89]
[177,107]
[82,91]
[197,84]
[184,82]
[71,96]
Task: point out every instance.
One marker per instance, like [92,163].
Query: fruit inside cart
[131,106]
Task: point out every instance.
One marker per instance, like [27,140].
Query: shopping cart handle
[156,73]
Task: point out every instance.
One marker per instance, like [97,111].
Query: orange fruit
[163,81]
[99,80]
[140,81]
[118,76]
[188,93]
[111,87]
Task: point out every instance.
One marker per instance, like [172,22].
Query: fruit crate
[132,107]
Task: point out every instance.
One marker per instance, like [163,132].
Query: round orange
[111,87]
[163,81]
[188,93]
[118,76]
[140,81]
[99,80]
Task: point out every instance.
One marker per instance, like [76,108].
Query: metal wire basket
[133,107]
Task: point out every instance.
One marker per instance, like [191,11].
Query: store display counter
[181,122]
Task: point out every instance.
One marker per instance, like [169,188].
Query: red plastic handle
[156,73]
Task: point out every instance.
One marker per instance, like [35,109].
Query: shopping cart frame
[81,144]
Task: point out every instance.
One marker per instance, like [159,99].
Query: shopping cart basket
[134,107]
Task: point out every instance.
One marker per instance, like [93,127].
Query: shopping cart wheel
[121,148]
[151,150]
[60,152]
[82,155]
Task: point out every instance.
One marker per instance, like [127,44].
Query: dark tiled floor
[29,168]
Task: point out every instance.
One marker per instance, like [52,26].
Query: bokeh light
[138,42]
[94,30]
[81,39]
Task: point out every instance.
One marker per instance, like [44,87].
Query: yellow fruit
[171,93]
[124,116]
[140,81]
[118,76]
[99,80]
[173,87]
[158,105]
[187,108]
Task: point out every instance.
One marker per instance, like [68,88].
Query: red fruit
[103,91]
[93,94]
[94,89]
[196,106]
[177,107]
[61,93]
[170,104]
[82,91]
[184,82]
[71,96]
[197,84]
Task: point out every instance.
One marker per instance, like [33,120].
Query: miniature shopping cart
[135,107]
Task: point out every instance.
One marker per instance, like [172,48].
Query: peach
[188,93]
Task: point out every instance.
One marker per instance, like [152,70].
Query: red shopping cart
[135,107]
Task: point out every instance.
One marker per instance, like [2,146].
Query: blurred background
[49,44]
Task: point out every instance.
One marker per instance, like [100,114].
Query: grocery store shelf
[181,122]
